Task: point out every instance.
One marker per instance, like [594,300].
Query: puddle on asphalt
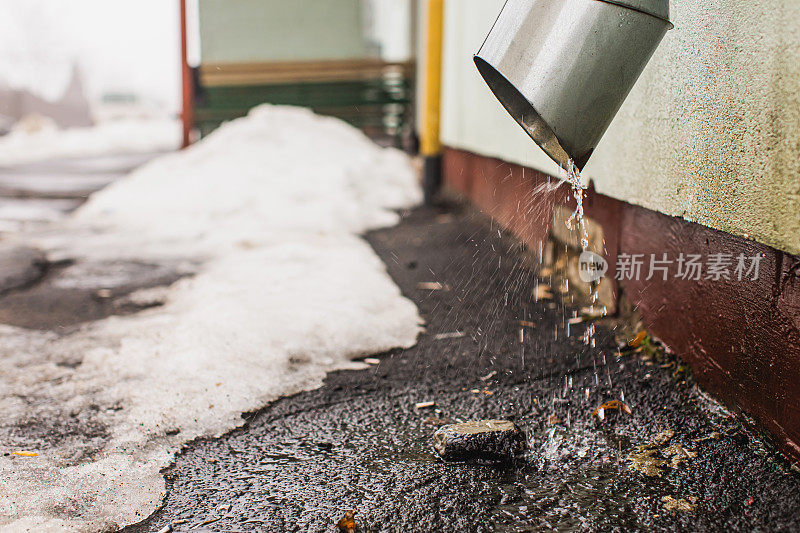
[572,479]
[575,479]
[587,498]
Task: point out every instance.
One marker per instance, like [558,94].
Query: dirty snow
[266,213]
[111,137]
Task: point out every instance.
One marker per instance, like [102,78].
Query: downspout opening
[526,115]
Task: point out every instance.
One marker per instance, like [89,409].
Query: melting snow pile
[113,137]
[270,207]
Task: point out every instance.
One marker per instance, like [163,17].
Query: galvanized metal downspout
[562,68]
[657,8]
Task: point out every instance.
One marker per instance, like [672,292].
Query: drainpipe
[562,68]
[187,111]
[430,143]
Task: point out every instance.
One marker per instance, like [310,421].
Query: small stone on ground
[479,440]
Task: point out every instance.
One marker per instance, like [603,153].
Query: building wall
[279,30]
[711,132]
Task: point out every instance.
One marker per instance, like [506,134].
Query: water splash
[577,222]
[573,177]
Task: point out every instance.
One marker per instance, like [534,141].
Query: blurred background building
[88,52]
[352,59]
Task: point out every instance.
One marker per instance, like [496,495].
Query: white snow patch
[113,137]
[271,207]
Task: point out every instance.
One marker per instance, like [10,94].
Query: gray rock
[19,266]
[479,440]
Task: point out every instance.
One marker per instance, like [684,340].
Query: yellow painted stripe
[430,143]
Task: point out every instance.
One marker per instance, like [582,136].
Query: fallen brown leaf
[650,460]
[347,524]
[613,404]
[643,459]
[593,313]
[672,505]
[638,339]
[450,335]
[542,292]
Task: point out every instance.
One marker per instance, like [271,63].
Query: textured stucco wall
[270,30]
[711,132]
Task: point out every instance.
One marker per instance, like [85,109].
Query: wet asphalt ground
[359,442]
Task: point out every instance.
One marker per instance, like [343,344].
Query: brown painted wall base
[742,338]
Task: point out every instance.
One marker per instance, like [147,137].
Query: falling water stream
[577,222]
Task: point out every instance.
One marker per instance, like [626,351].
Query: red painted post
[187,112]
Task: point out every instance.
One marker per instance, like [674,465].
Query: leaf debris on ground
[651,460]
[593,313]
[643,459]
[450,335]
[432,286]
[673,505]
[347,524]
[542,292]
[638,340]
[600,412]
